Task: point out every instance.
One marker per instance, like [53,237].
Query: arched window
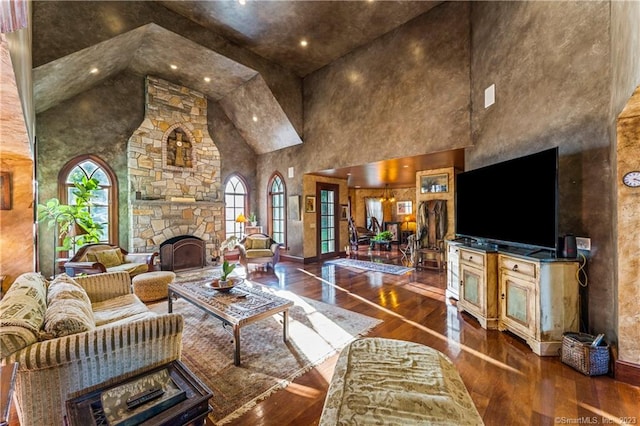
[277,215]
[235,200]
[104,209]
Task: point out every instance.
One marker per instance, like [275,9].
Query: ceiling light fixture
[173,67]
[242,2]
[94,70]
[207,79]
[387,195]
[304,43]
[255,119]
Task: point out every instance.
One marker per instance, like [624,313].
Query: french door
[328,220]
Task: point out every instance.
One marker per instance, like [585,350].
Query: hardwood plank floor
[509,384]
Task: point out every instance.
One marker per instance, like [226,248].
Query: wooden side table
[87,409]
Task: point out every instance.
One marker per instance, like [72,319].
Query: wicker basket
[578,353]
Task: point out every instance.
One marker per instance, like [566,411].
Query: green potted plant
[70,216]
[227,269]
[383,236]
[252,219]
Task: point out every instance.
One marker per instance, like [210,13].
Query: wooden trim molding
[628,372]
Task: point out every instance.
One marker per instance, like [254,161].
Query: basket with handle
[578,352]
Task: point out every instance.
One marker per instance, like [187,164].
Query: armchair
[100,258]
[260,249]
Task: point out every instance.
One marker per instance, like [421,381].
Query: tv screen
[512,202]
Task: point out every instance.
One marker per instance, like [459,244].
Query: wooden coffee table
[244,304]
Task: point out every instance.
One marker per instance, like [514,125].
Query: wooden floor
[509,384]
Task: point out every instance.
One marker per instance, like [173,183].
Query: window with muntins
[103,208]
[277,193]
[235,199]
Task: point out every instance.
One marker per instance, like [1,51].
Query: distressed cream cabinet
[478,285]
[538,300]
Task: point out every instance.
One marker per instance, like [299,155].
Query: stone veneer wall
[155,218]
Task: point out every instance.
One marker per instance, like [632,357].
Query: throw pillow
[261,243]
[248,243]
[68,308]
[22,311]
[109,258]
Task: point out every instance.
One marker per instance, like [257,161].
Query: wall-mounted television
[514,202]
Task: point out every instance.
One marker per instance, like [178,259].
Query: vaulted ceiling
[271,29]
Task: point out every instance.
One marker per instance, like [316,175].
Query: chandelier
[387,196]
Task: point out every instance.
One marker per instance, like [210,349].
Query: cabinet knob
[515,267]
[470,257]
[502,296]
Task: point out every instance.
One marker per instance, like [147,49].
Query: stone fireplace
[174,171]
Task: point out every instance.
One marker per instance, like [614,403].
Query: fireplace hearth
[182,252]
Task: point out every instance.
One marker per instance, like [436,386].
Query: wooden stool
[152,286]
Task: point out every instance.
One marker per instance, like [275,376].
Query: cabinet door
[472,287]
[518,305]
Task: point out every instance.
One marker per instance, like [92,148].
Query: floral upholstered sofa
[99,258]
[72,335]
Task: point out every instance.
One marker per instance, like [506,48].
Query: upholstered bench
[152,286]
[393,382]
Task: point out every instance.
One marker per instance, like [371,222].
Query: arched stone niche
[178,150]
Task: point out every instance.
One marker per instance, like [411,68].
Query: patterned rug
[316,331]
[372,266]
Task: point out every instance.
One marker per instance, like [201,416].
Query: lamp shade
[241,218]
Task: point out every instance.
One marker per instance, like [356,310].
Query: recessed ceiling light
[173,67]
[242,2]
[255,119]
[94,70]
[304,43]
[207,79]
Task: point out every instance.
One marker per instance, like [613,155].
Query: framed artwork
[5,191]
[344,211]
[434,183]
[310,204]
[293,207]
[404,207]
[393,228]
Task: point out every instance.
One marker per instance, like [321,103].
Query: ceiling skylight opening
[173,67]
[304,42]
[207,79]
[94,70]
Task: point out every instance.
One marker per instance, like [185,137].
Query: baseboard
[291,258]
[628,372]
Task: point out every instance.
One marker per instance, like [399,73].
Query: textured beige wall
[628,247]
[553,88]
[406,93]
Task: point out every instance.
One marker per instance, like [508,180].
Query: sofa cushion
[131,268]
[254,253]
[22,311]
[68,308]
[109,258]
[126,307]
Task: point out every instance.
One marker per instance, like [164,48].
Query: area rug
[372,266]
[316,331]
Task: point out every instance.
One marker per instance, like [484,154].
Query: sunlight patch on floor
[434,333]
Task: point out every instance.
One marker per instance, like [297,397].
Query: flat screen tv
[514,202]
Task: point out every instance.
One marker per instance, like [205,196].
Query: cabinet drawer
[472,257]
[453,250]
[517,265]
